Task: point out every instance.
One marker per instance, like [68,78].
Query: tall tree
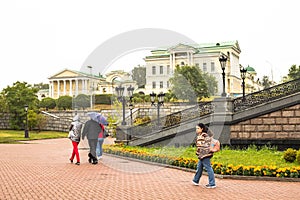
[212,84]
[139,75]
[188,83]
[17,96]
[266,83]
[294,72]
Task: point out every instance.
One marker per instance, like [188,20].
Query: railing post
[221,119]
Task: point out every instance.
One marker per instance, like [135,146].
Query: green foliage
[141,120]
[294,72]
[47,103]
[139,75]
[212,84]
[188,83]
[82,101]
[16,97]
[290,155]
[64,102]
[298,156]
[103,99]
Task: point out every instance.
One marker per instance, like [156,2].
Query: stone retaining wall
[282,124]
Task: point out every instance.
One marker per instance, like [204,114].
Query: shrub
[298,156]
[290,155]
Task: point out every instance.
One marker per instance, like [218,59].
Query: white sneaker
[195,183]
[99,157]
[210,186]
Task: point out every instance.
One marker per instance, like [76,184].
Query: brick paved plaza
[40,170]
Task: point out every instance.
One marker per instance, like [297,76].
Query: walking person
[205,147]
[91,130]
[74,136]
[102,122]
[101,137]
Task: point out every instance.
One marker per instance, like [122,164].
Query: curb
[236,177]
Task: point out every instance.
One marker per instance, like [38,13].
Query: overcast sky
[41,38]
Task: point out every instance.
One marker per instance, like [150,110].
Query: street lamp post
[130,93]
[120,93]
[243,76]
[121,98]
[223,60]
[160,102]
[26,125]
[91,87]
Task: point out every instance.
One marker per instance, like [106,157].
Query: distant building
[161,64]
[71,83]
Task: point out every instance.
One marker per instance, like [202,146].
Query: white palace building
[160,66]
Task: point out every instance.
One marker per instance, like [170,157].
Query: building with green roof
[160,65]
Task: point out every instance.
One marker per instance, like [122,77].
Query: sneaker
[99,157]
[210,186]
[195,183]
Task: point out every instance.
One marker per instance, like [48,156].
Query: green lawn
[13,136]
[247,157]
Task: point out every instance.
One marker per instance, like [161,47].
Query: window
[161,84]
[168,84]
[204,67]
[182,63]
[212,65]
[153,85]
[153,70]
[161,69]
[168,69]
[197,64]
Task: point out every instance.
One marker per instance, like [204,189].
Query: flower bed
[219,168]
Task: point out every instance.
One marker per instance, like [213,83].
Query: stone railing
[171,120]
[266,95]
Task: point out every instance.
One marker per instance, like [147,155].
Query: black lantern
[120,93]
[130,93]
[26,125]
[160,102]
[243,76]
[121,98]
[223,60]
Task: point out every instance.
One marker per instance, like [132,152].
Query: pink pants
[75,151]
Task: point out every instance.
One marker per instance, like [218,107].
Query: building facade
[71,83]
[161,64]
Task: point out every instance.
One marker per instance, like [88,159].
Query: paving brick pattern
[40,170]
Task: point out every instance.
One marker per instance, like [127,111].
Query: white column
[64,87]
[50,89]
[173,66]
[58,88]
[192,58]
[188,58]
[171,61]
[71,92]
[76,87]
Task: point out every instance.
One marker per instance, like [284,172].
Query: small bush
[298,156]
[290,155]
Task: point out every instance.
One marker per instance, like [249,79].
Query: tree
[188,83]
[266,82]
[47,103]
[64,102]
[212,84]
[16,97]
[139,75]
[294,72]
[82,101]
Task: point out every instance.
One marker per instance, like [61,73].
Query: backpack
[216,145]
